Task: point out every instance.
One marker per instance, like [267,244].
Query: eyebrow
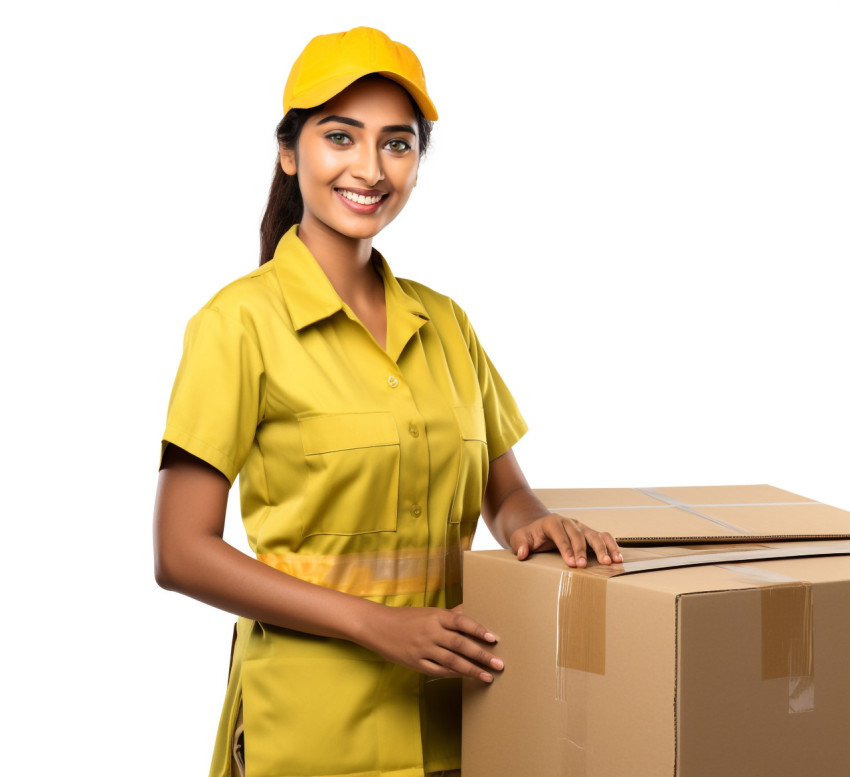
[359,124]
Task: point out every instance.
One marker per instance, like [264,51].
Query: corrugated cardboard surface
[704,513]
[704,671]
[734,716]
[542,719]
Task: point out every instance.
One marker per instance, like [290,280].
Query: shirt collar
[310,297]
[405,314]
[308,293]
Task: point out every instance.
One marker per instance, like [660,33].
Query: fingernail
[497,663]
[487,678]
[606,559]
[490,637]
[582,562]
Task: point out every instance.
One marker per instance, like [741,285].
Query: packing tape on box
[787,641]
[581,622]
[787,632]
[579,654]
[574,741]
[673,502]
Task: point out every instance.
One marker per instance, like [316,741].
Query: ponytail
[285,206]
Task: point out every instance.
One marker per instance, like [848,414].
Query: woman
[368,428]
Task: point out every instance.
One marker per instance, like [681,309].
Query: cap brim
[324,91]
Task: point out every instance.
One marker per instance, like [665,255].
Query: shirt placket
[412,526]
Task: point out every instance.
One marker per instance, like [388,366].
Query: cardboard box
[670,663]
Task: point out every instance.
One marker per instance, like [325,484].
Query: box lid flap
[642,559]
[701,514]
[649,559]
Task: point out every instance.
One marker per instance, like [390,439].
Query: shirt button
[393,381]
[414,430]
[416,511]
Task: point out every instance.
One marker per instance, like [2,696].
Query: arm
[520,521]
[191,557]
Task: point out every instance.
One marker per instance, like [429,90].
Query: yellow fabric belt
[381,573]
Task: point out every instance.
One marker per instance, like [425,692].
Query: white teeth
[360,198]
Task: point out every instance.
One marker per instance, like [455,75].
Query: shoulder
[253,288]
[246,300]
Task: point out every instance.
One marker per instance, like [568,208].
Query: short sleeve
[217,400]
[505,424]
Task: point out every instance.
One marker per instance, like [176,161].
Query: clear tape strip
[651,492]
[560,625]
[797,649]
[669,504]
[801,688]
[571,686]
[755,575]
[787,633]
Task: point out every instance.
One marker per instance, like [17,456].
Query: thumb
[519,544]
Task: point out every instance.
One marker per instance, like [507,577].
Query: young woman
[369,431]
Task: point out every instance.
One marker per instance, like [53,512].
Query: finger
[597,543]
[613,548]
[461,666]
[473,651]
[519,544]
[433,669]
[540,535]
[458,622]
[604,545]
[561,539]
[579,545]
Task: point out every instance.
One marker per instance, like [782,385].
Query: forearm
[520,521]
[191,557]
[518,508]
[218,574]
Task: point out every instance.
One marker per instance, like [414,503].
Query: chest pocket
[473,464]
[352,481]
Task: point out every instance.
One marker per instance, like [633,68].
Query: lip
[356,206]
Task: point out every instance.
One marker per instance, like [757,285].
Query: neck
[345,260]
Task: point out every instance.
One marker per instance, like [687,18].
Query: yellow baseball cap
[330,63]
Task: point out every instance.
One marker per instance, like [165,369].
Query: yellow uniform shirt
[361,469]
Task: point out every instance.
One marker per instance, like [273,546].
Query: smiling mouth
[362,199]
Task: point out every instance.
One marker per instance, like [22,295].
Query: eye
[398,146]
[338,138]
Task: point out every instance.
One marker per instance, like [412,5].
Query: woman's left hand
[569,536]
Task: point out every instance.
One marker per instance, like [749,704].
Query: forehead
[376,101]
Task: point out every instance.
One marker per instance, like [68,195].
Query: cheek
[405,176]
[328,164]
[318,167]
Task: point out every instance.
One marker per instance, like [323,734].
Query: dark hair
[285,206]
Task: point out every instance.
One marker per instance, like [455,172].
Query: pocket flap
[470,419]
[344,431]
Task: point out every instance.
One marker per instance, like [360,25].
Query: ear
[287,160]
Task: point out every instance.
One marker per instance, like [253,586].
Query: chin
[363,230]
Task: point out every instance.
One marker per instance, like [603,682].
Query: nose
[367,165]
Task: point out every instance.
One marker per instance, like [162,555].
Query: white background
[642,206]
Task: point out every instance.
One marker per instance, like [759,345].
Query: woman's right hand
[436,642]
